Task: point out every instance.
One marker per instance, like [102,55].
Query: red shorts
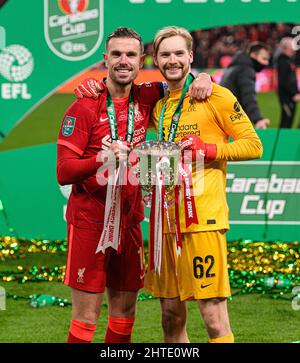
[92,272]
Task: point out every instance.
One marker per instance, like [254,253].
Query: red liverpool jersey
[85,130]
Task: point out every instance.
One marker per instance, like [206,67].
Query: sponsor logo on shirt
[183,130]
[138,136]
[239,112]
[103,119]
[203,286]
[237,107]
[237,116]
[68,125]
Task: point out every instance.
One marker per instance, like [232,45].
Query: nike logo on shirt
[204,286]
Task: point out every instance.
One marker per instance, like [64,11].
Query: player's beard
[123,79]
[177,76]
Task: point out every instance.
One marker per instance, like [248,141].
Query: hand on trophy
[199,149]
[120,149]
[89,87]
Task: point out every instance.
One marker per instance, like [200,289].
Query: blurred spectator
[211,46]
[240,78]
[288,92]
[201,46]
[149,62]
[214,48]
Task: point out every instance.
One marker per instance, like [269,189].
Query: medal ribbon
[112,119]
[176,115]
[110,236]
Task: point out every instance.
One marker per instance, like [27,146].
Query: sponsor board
[258,196]
[73,28]
[16,65]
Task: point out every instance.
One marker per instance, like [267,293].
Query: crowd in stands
[214,48]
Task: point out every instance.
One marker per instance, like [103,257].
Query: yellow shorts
[200,272]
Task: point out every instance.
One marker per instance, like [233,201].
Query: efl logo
[16,65]
[73,28]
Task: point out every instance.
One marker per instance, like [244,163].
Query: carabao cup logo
[16,63]
[73,28]
[73,6]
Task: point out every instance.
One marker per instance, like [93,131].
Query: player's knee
[126,310]
[88,317]
[172,322]
[214,328]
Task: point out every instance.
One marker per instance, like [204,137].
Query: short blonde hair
[172,31]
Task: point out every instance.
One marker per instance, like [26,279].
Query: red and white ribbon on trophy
[110,236]
[189,199]
[157,215]
[159,203]
[189,204]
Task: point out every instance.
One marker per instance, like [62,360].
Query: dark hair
[256,47]
[124,32]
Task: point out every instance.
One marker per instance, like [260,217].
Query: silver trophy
[158,159]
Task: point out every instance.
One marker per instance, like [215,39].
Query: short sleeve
[76,127]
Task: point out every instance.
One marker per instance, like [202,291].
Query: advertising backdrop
[47,42]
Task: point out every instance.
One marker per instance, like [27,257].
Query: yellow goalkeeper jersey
[214,120]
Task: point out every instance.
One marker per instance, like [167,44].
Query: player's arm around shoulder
[153,123]
[234,122]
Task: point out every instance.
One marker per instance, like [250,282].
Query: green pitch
[254,318]
[42,125]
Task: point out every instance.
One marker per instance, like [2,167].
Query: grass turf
[254,318]
[42,125]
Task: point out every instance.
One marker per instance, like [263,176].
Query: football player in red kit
[116,121]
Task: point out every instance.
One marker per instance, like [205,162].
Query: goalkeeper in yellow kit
[200,271]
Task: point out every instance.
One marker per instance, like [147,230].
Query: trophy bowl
[158,157]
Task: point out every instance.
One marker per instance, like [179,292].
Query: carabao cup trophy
[157,171]
[158,162]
